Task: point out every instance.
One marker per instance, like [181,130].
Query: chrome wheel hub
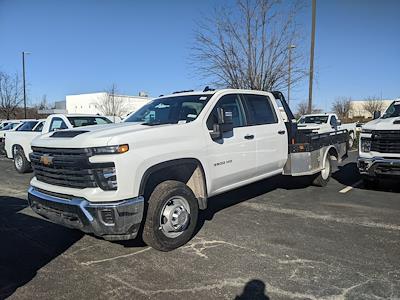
[175,217]
[18,162]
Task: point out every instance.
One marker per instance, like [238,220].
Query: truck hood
[89,136]
[383,124]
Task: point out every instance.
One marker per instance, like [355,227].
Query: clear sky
[81,46]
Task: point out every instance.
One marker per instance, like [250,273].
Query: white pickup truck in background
[18,143]
[152,173]
[379,149]
[322,123]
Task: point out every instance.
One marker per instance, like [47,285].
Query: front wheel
[323,177]
[171,216]
[21,164]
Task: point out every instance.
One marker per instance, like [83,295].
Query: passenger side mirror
[377,115]
[224,124]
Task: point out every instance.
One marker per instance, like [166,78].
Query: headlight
[365,145]
[366,130]
[118,149]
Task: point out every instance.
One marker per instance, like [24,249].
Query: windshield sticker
[192,116]
[161,105]
[202,98]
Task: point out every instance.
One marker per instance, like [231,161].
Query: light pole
[289,71]
[310,83]
[23,78]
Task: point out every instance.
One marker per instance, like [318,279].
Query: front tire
[171,218]
[21,164]
[324,176]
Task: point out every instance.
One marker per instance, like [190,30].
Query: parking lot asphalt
[276,239]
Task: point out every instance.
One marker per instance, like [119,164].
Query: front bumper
[379,166]
[111,221]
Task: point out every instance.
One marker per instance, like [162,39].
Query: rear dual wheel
[324,176]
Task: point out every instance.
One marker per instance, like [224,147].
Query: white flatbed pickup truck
[321,123]
[152,173]
[18,142]
[379,147]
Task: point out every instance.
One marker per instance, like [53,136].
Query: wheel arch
[332,152]
[14,147]
[187,170]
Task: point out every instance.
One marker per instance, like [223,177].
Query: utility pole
[289,71]
[23,79]
[310,84]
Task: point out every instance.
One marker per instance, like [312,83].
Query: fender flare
[202,201]
[336,154]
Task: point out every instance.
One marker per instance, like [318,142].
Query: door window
[229,103]
[57,124]
[260,110]
[333,121]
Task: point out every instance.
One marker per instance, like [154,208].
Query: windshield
[27,126]
[10,126]
[171,110]
[86,121]
[393,111]
[313,120]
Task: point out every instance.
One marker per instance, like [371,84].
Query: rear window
[27,126]
[87,121]
[260,110]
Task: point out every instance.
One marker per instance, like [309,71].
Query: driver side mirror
[338,122]
[224,124]
[377,115]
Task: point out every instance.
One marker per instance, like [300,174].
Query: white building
[359,111]
[92,103]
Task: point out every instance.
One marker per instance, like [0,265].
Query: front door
[231,160]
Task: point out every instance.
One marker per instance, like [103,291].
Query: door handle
[249,136]
[281,131]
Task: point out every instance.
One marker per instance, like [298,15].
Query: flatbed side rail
[311,142]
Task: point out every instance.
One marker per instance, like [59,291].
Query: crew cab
[18,142]
[320,123]
[379,149]
[150,174]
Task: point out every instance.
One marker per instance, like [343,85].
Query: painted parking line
[350,187]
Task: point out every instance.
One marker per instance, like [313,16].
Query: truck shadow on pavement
[27,244]
[225,200]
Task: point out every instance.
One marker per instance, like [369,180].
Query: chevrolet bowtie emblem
[46,160]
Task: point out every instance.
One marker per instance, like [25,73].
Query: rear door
[231,160]
[269,132]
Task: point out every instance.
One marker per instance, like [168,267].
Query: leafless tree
[43,104]
[302,109]
[372,104]
[247,47]
[111,104]
[342,107]
[10,95]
